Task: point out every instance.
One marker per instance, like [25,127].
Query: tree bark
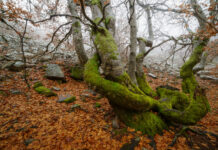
[77,34]
[133,42]
[133,105]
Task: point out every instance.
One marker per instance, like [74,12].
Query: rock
[203,72]
[152,75]
[215,60]
[15,92]
[45,91]
[17,66]
[67,99]
[206,77]
[115,123]
[90,91]
[28,141]
[45,58]
[54,72]
[55,88]
[38,86]
[85,95]
[210,66]
[75,106]
[77,72]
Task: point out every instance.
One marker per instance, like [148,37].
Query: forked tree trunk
[132,105]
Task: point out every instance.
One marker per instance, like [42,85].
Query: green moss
[141,39]
[97,105]
[145,87]
[3,93]
[139,56]
[173,99]
[75,106]
[69,100]
[95,2]
[45,91]
[107,20]
[120,131]
[37,84]
[77,72]
[105,43]
[76,24]
[189,83]
[146,122]
[115,92]
[97,20]
[183,109]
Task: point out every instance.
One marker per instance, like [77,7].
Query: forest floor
[29,120]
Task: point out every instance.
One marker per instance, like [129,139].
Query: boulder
[56,88]
[17,66]
[54,72]
[206,77]
[152,75]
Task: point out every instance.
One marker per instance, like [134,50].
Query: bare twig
[23,54]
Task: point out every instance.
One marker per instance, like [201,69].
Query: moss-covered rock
[45,91]
[76,72]
[67,100]
[37,84]
[38,87]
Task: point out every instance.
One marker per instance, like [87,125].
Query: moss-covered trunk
[132,104]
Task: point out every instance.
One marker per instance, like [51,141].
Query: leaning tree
[137,104]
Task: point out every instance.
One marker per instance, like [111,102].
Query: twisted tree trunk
[133,106]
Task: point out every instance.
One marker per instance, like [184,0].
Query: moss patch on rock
[38,87]
[68,100]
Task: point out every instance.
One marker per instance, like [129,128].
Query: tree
[134,106]
[133,100]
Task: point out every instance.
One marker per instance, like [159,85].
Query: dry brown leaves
[31,121]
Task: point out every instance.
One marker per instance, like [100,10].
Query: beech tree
[132,99]
[136,105]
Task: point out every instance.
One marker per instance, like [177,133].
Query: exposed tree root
[198,131]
